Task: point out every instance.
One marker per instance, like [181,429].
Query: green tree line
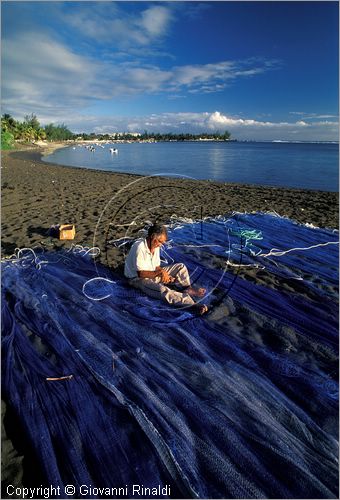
[147,136]
[217,136]
[30,130]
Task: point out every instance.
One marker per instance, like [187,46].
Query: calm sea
[296,165]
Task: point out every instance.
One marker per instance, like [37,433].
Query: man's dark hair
[157,230]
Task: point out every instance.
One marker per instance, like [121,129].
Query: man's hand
[165,277]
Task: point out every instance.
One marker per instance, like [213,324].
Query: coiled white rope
[79,249]
[97,279]
[26,260]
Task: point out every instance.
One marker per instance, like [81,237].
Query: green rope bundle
[247,234]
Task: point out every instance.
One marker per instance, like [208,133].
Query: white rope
[255,266]
[95,279]
[126,239]
[133,223]
[93,251]
[79,249]
[278,253]
[19,258]
[26,260]
[168,259]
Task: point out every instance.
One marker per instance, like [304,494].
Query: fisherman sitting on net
[143,269]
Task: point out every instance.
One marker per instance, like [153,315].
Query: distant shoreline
[52,146]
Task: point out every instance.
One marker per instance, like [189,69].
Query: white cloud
[199,78]
[312,116]
[41,74]
[301,123]
[201,73]
[217,119]
[240,128]
[143,79]
[108,22]
[155,20]
[214,77]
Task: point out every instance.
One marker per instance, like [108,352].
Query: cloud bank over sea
[240,128]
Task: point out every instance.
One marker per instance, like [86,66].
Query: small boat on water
[113,150]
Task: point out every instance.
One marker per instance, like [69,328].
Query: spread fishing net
[113,389]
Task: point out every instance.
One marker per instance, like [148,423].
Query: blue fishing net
[114,389]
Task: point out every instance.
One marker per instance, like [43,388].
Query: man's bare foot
[200,309]
[196,292]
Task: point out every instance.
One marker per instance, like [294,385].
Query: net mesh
[240,403]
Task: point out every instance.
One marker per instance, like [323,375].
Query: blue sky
[262,70]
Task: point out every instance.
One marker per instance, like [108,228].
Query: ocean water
[292,165]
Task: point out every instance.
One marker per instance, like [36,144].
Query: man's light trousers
[154,288]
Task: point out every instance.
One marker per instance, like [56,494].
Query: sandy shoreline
[105,205]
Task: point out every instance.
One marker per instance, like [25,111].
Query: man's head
[157,236]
